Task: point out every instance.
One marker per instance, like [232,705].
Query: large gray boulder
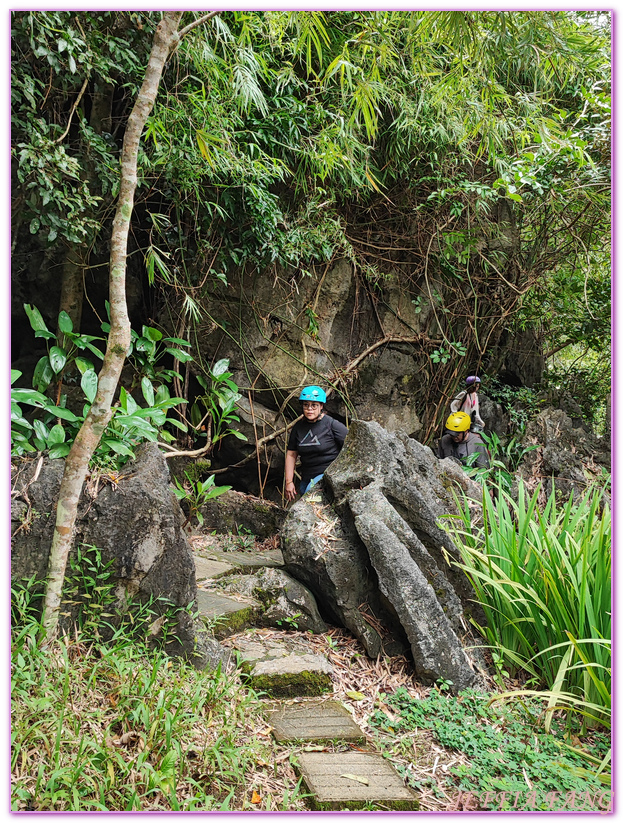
[136,523]
[370,548]
[568,456]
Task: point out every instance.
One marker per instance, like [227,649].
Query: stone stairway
[337,780]
[317,729]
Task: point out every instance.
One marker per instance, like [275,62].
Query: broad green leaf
[64,414]
[151,334]
[35,318]
[62,450]
[118,447]
[64,322]
[148,391]
[84,365]
[15,374]
[89,385]
[41,431]
[182,356]
[178,424]
[177,340]
[16,412]
[356,695]
[43,374]
[56,435]
[58,358]
[30,396]
[95,350]
[220,367]
[162,393]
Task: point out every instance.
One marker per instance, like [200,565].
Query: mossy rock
[294,684]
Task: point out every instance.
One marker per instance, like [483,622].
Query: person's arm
[446,446]
[456,404]
[339,432]
[289,474]
[477,418]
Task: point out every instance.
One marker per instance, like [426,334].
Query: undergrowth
[506,750]
[117,725]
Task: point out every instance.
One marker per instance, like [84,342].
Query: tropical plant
[214,412]
[67,350]
[195,493]
[543,579]
[504,459]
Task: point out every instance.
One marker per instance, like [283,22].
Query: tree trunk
[77,461]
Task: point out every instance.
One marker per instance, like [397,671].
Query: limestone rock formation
[567,456]
[286,602]
[370,549]
[135,521]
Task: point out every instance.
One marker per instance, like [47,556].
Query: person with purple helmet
[317,440]
[467,401]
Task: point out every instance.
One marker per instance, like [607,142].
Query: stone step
[331,779]
[283,667]
[312,720]
[210,569]
[231,614]
[249,561]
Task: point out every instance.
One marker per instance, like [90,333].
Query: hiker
[467,401]
[459,442]
[317,440]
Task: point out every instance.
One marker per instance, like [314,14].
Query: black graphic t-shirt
[317,443]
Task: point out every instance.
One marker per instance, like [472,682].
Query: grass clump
[505,750]
[117,725]
[543,578]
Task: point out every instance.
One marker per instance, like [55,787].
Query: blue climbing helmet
[472,379]
[313,394]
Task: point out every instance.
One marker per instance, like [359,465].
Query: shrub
[543,579]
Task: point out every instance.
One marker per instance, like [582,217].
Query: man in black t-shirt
[317,440]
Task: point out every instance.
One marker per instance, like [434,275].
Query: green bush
[543,579]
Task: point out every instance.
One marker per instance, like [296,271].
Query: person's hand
[290,490]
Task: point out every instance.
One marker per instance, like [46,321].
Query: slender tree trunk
[77,461]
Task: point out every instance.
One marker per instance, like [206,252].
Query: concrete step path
[283,667]
[340,780]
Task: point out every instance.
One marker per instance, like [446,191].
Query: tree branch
[73,109]
[196,23]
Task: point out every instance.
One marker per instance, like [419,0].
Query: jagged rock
[568,457]
[136,522]
[286,602]
[375,558]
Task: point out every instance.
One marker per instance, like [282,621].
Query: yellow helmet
[458,422]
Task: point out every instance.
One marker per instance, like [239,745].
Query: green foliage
[56,426]
[119,726]
[507,750]
[543,579]
[504,460]
[521,404]
[215,411]
[195,493]
[146,353]
[67,350]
